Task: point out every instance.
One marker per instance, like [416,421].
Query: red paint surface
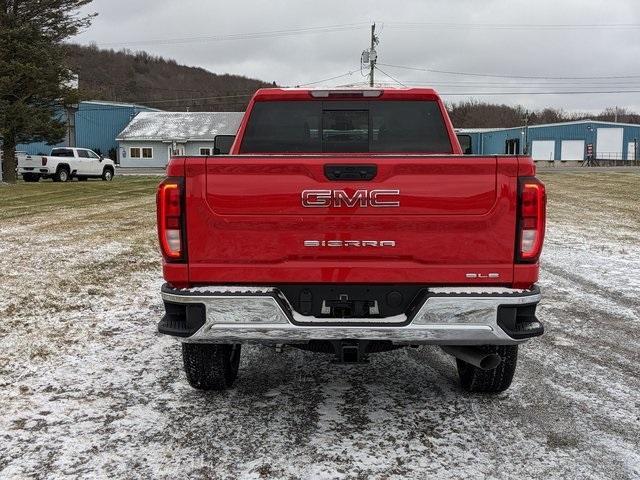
[245,222]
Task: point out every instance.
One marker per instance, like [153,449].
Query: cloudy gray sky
[506,38]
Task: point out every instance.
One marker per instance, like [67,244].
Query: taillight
[531,218]
[170,219]
[44,161]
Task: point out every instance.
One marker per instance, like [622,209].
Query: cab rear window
[61,152]
[346,127]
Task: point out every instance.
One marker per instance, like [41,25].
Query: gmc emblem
[359,198]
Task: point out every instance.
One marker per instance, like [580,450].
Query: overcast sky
[479,37]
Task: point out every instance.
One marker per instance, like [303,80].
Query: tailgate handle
[350,172]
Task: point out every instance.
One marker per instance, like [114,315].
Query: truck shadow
[412,371]
[299,403]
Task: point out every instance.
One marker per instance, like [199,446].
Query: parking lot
[89,389]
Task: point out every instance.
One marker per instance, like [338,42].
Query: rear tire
[211,367]
[474,379]
[107,175]
[31,177]
[62,175]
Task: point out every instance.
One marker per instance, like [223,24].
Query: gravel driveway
[89,389]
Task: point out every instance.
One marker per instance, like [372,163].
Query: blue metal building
[560,142]
[92,124]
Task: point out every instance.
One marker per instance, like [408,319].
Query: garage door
[609,143]
[572,150]
[543,149]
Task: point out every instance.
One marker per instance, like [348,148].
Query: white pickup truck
[65,163]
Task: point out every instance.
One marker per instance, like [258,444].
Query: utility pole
[373,56]
[525,149]
[370,56]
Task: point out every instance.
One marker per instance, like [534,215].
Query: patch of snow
[165,126]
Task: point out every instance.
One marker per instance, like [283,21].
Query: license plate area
[345,307]
[348,301]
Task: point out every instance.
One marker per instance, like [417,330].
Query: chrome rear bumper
[35,169]
[448,315]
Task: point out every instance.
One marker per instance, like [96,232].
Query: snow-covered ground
[89,389]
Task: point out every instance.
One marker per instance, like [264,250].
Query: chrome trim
[306,319]
[465,316]
[285,334]
[337,198]
[235,309]
[469,309]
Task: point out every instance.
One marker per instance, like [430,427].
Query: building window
[512,146]
[223,144]
[141,152]
[205,151]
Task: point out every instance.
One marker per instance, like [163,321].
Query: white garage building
[151,138]
[569,142]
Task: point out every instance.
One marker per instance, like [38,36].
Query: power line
[459,83]
[514,26]
[359,25]
[394,79]
[143,103]
[245,36]
[541,93]
[542,77]
[511,86]
[327,79]
[249,93]
[513,93]
[474,93]
[199,98]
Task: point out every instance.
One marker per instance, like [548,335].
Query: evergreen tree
[34,77]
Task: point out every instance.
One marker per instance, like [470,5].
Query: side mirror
[101,158]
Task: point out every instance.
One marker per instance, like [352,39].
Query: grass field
[89,389]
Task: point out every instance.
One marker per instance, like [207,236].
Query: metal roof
[575,122]
[181,126]
[476,130]
[543,125]
[117,104]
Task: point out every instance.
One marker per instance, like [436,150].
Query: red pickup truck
[349,222]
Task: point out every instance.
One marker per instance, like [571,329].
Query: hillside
[141,78]
[473,114]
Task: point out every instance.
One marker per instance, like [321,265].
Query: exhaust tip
[474,356]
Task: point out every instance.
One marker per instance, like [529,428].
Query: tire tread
[209,366]
[56,177]
[474,379]
[104,173]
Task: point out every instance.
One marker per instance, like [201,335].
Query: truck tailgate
[30,162]
[436,220]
